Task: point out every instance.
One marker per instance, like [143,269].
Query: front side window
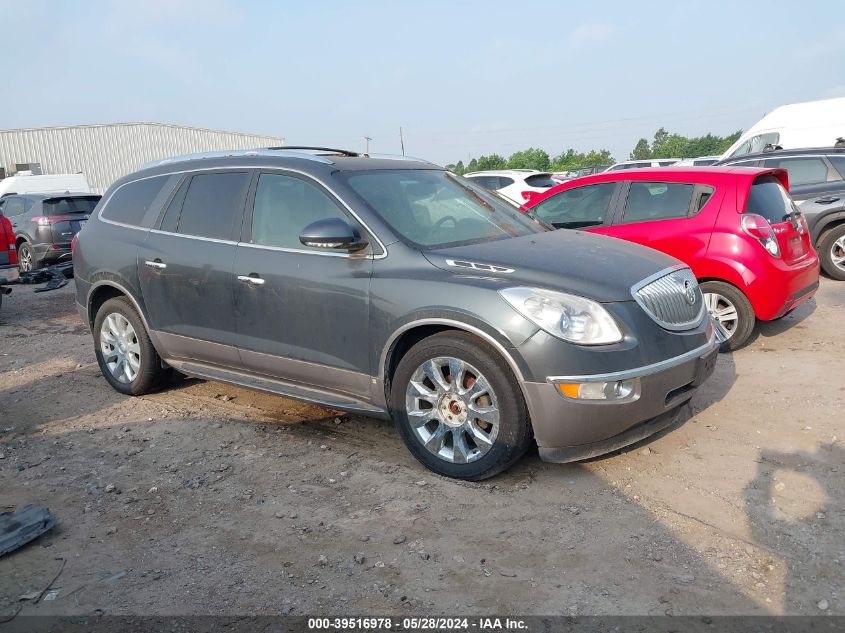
[657,201]
[577,208]
[284,205]
[802,171]
[130,203]
[436,209]
[213,205]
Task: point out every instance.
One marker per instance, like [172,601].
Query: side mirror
[332,233]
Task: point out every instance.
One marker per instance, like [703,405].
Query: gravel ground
[207,498]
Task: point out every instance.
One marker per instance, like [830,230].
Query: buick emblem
[689,292]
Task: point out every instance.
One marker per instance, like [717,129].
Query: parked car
[701,161]
[817,184]
[737,229]
[45,223]
[564,176]
[391,288]
[640,164]
[43,183]
[517,185]
[9,273]
[810,124]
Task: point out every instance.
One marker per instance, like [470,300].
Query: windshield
[436,209]
[65,206]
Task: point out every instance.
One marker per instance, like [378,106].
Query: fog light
[618,390]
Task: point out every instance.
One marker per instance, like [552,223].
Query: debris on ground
[22,526]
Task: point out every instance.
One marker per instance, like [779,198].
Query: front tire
[832,252]
[731,312]
[459,408]
[126,356]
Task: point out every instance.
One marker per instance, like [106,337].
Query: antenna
[367,140]
[401,140]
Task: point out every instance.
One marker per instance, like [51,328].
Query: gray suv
[395,289]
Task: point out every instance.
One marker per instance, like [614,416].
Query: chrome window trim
[646,370]
[105,203]
[680,327]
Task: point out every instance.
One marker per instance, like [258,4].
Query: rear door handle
[253,281]
[156,265]
[826,200]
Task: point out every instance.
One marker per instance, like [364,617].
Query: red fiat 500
[737,228]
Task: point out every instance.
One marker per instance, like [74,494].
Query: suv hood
[594,266]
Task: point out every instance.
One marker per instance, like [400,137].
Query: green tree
[493,161]
[641,150]
[472,166]
[531,158]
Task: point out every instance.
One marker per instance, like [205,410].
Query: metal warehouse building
[106,152]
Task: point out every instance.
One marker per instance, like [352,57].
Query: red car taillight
[73,244]
[759,228]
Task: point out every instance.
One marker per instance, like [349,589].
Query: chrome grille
[666,299]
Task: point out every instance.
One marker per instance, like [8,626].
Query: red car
[737,228]
[8,256]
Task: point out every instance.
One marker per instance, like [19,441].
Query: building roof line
[135,123]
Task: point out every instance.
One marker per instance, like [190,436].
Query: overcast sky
[461,78]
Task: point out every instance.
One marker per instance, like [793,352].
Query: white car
[44,183]
[638,164]
[516,185]
[701,161]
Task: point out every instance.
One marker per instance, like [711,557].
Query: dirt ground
[210,499]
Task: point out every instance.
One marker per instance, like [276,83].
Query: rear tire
[26,258]
[729,307]
[126,356]
[488,427]
[832,252]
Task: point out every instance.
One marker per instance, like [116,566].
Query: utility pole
[401,140]
[367,140]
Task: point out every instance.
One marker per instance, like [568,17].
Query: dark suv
[45,223]
[391,288]
[817,184]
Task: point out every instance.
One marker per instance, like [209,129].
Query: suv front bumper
[569,429]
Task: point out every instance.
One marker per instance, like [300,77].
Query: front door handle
[826,200]
[155,265]
[249,279]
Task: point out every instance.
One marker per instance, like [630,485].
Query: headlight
[565,316]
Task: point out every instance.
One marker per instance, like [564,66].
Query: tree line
[664,145]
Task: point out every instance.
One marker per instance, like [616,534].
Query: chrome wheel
[119,345]
[837,253]
[723,313]
[452,409]
[25,259]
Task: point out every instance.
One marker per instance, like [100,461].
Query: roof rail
[332,150]
[261,151]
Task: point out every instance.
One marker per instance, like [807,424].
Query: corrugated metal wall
[104,153]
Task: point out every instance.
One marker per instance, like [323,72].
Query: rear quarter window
[769,199]
[130,203]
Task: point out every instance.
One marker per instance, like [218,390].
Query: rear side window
[213,204]
[540,181]
[504,181]
[130,203]
[67,206]
[802,171]
[13,206]
[769,199]
[657,201]
[577,208]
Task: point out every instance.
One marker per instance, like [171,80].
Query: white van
[794,126]
[47,183]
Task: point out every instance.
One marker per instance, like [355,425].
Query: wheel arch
[101,292]
[825,224]
[411,333]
